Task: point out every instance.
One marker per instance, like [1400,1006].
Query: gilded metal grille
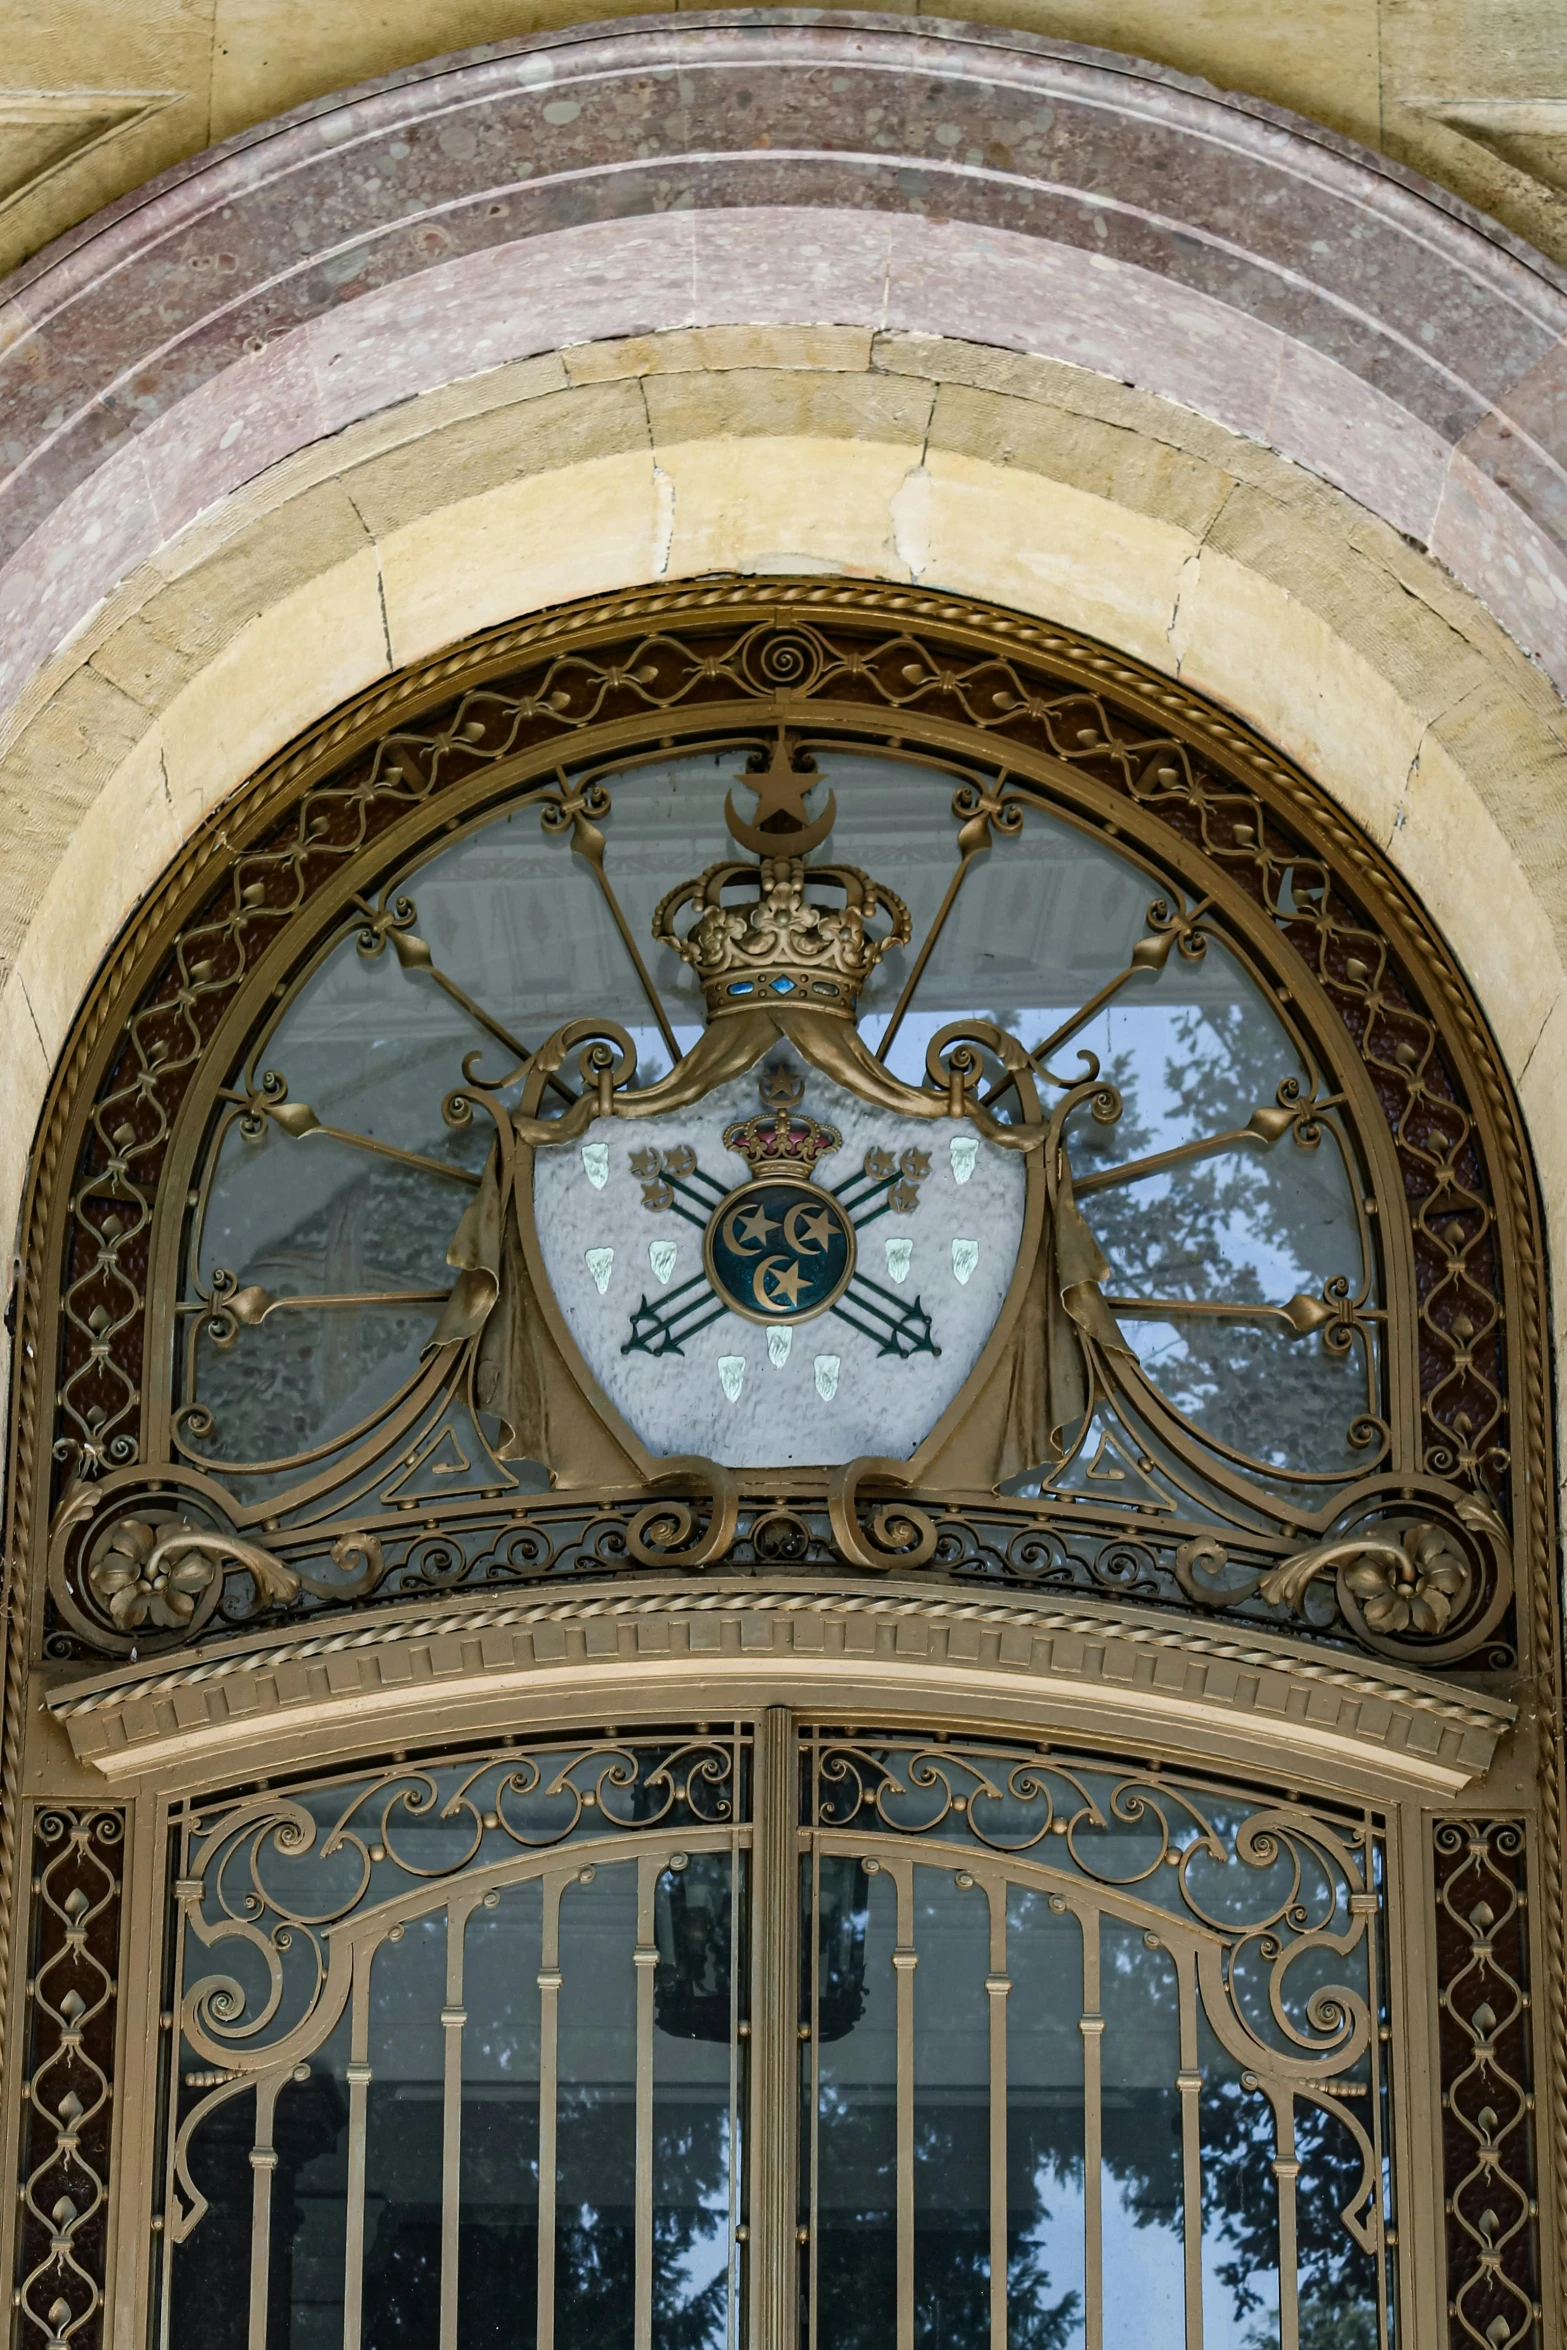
[72,1987]
[1062,2021]
[1247,849]
[460,2020]
[1488,2133]
[1087,2042]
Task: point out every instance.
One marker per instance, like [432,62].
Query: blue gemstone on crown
[743,987]
[783,987]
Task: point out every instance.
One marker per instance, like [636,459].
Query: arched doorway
[843,1247]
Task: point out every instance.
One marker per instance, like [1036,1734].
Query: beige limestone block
[1406,642]
[1078,391]
[745,403]
[269,55]
[140,69]
[1451,852]
[1318,56]
[217,585]
[1282,667]
[692,349]
[51,775]
[24,1081]
[335,458]
[1106,460]
[784,505]
[593,526]
[1542,1091]
[549,434]
[1047,548]
[1517,765]
[94,887]
[297,659]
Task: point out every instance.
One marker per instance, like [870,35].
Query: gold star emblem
[751,1229]
[786,1286]
[781,788]
[809,1230]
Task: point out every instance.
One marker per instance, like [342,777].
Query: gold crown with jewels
[787,1142]
[785,947]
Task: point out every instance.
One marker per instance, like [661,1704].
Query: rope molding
[481,1619]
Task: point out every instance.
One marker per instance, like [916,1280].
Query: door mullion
[774,2035]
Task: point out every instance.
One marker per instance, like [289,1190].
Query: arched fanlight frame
[1413,1559]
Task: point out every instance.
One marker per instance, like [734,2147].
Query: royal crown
[785,946]
[786,1142]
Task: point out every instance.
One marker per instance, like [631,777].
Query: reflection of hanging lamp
[842,1917]
[692,1921]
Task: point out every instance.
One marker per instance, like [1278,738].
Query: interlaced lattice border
[247,874]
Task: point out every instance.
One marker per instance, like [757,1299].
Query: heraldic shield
[780,1253]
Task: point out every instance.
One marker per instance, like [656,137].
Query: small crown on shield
[787,1142]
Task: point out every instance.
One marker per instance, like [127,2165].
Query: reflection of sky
[705,2255]
[518,921]
[1144,2274]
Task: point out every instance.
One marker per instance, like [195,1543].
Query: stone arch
[1141,357]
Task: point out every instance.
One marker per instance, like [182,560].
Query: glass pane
[1240,2205]
[1144,2278]
[206,2309]
[1045,2308]
[402,2277]
[497,2294]
[1045,918]
[595,2232]
[694,2016]
[310,2204]
[856,2239]
[951,2111]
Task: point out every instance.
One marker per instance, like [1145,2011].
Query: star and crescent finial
[780,826]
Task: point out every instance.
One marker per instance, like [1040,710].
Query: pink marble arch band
[773,167]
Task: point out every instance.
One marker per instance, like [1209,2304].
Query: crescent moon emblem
[808,1244]
[781,844]
[759,1277]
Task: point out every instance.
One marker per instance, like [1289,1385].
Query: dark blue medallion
[779,1250]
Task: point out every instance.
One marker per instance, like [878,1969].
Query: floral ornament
[160,1570]
[136,1581]
[1412,1584]
[1413,1588]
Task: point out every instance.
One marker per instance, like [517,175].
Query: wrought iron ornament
[1490,2156]
[160,1535]
[573,1212]
[72,2032]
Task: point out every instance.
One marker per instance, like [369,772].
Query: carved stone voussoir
[1117,1668]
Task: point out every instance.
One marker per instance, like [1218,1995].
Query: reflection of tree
[1281,1398]
[1142,2153]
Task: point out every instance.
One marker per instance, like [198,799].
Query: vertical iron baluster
[739,2152]
[1092,2024]
[263,2162]
[554,1885]
[453,2018]
[645,1959]
[1189,2081]
[774,2036]
[997,1985]
[1286,2170]
[1378,2054]
[358,2076]
[813,2207]
[905,1958]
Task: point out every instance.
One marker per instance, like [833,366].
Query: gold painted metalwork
[1493,2243]
[72,2031]
[130,1538]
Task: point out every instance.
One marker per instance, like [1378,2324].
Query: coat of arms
[821,1279]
